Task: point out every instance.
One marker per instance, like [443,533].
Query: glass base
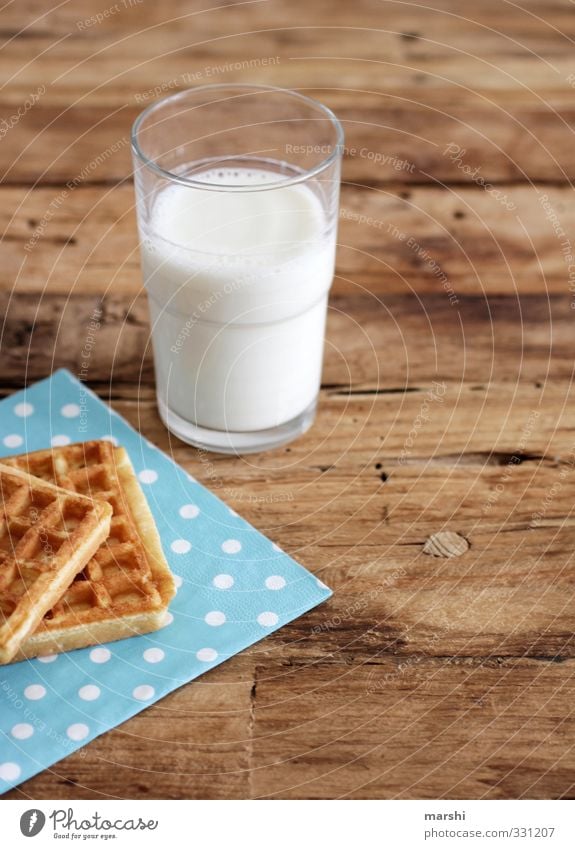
[240,442]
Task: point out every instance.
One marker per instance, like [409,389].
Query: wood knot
[445,544]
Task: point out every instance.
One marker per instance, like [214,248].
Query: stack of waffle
[80,556]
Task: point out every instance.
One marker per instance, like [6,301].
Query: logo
[32,822]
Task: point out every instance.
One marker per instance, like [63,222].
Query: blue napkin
[235,587]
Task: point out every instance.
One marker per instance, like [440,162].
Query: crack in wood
[59,185]
[50,240]
[483,458]
[335,390]
[390,185]
[384,658]
[27,34]
[251,727]
[422,183]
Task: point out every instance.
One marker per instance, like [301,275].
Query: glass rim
[198,184]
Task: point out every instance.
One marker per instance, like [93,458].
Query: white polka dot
[89,692]
[154,655]
[189,511]
[59,440]
[267,619]
[70,411]
[47,658]
[9,771]
[109,438]
[35,692]
[207,655]
[100,655]
[22,731]
[276,547]
[143,692]
[23,409]
[223,582]
[148,476]
[215,618]
[77,731]
[178,581]
[231,546]
[13,440]
[275,582]
[168,619]
[181,546]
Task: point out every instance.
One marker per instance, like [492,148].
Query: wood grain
[412,83]
[514,338]
[422,677]
[392,240]
[425,729]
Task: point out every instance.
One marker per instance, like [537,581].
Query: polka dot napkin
[234,588]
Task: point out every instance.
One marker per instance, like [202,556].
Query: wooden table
[447,387]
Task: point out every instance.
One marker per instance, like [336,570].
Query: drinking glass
[237,191]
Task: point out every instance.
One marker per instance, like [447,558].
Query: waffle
[47,535]
[127,585]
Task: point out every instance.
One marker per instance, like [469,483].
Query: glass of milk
[237,191]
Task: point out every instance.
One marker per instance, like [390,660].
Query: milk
[237,284]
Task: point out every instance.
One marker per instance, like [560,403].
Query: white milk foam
[238,285]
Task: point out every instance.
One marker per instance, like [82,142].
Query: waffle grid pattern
[34,525]
[118,580]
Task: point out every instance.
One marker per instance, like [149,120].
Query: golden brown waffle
[47,535]
[126,587]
